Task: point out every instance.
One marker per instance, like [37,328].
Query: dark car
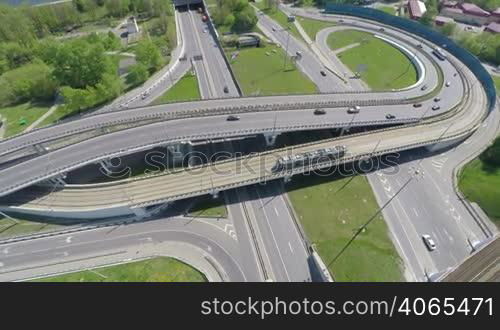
[319,111]
[417,105]
[381,29]
[232,118]
[424,87]
[323,73]
[437,99]
[226,90]
[390,116]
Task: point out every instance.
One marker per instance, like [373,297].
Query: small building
[416,9]
[248,41]
[449,4]
[495,15]
[442,20]
[493,27]
[460,15]
[132,30]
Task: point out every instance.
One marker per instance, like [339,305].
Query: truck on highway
[309,158]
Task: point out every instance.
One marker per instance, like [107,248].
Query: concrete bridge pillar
[271,138]
[140,212]
[59,180]
[106,166]
[179,151]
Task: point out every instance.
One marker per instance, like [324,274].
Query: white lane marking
[229,229]
[147,239]
[6,250]
[68,239]
[277,213]
[415,211]
[1,264]
[290,246]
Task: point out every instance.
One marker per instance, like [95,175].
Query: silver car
[429,242]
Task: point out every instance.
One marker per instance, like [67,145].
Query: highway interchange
[278,245]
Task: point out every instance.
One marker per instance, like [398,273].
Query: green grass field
[342,38]
[496,80]
[480,183]
[209,207]
[12,116]
[386,67]
[184,90]
[160,269]
[330,211]
[387,9]
[312,26]
[260,71]
[18,227]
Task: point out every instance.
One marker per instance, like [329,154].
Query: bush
[33,81]
[137,74]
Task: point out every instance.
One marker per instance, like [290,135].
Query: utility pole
[286,48]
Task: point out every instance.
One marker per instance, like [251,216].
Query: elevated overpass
[79,144]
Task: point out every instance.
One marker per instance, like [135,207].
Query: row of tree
[26,23]
[237,15]
[37,71]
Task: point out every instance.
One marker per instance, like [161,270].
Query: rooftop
[472,9]
[493,27]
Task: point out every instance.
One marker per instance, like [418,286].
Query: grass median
[313,26]
[381,65]
[161,269]
[186,89]
[262,71]
[480,182]
[18,117]
[330,211]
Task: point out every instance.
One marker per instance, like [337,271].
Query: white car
[448,84]
[354,109]
[429,242]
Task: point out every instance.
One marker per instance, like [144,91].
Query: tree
[492,155]
[80,64]
[449,29]
[245,20]
[148,54]
[137,74]
[33,81]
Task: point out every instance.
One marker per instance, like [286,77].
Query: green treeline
[237,15]
[37,66]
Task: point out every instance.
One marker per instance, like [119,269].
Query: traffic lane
[188,129]
[101,119]
[291,259]
[308,63]
[247,253]
[90,243]
[435,216]
[402,216]
[215,61]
